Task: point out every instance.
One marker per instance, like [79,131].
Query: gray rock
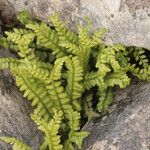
[128,21]
[128,127]
[15,112]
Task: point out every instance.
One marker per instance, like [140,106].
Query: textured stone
[128,127]
[7,14]
[15,112]
[128,21]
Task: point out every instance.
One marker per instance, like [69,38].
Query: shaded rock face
[7,14]
[128,21]
[15,112]
[128,127]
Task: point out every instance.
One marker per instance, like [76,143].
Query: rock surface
[15,112]
[128,127]
[128,21]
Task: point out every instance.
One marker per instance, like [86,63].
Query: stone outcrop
[128,21]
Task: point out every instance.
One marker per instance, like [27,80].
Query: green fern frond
[64,34]
[37,69]
[59,95]
[133,69]
[77,137]
[71,48]
[105,99]
[122,59]
[74,87]
[74,120]
[117,78]
[22,38]
[118,48]
[56,71]
[8,63]
[84,38]
[51,130]
[106,57]
[140,56]
[47,38]
[39,64]
[88,25]
[62,73]
[112,60]
[90,80]
[37,72]
[97,37]
[68,145]
[4,43]
[88,108]
[143,73]
[17,145]
[24,17]
[103,69]
[35,90]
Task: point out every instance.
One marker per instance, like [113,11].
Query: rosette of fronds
[59,70]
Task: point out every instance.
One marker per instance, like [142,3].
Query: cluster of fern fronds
[64,74]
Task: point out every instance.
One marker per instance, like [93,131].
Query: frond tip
[17,145]
[77,137]
[105,99]
[51,130]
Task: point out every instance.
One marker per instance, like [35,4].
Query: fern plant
[60,71]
